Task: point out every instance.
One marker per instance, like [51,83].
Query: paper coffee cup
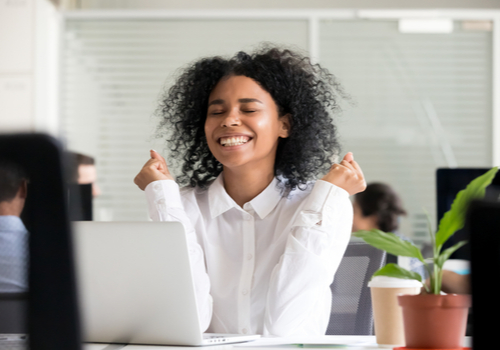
[388,315]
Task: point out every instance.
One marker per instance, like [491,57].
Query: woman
[253,133]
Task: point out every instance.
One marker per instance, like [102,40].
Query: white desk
[357,342]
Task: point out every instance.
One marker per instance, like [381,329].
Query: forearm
[453,282]
[299,297]
[164,203]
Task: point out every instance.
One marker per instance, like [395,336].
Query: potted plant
[431,319]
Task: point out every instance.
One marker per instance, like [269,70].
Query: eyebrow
[241,100]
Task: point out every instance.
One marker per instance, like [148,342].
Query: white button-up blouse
[265,268]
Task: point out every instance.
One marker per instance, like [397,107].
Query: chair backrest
[351,312]
[13,311]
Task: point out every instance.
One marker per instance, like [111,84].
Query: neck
[243,185]
[14,207]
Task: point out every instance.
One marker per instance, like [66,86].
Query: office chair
[13,311]
[52,318]
[351,312]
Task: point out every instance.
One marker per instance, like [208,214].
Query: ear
[23,190]
[373,221]
[285,126]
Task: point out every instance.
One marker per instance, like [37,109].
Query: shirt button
[248,217]
[161,201]
[157,187]
[244,331]
[249,256]
[244,292]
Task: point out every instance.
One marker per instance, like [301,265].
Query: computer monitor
[483,224]
[80,202]
[52,316]
[448,183]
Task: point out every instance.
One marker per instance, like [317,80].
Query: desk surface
[357,342]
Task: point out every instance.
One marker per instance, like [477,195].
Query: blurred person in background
[379,207]
[86,172]
[13,233]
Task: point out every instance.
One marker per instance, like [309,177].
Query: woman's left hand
[347,175]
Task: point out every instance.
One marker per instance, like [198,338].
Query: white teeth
[234,141]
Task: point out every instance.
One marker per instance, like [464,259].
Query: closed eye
[216,112]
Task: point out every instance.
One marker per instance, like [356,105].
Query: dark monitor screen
[483,223]
[448,183]
[80,202]
[46,306]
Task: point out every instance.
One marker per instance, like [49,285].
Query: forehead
[87,173]
[238,86]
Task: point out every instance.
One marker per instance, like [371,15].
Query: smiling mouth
[234,141]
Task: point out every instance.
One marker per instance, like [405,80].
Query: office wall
[28,51]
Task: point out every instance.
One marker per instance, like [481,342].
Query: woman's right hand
[155,169]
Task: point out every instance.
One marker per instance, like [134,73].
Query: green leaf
[453,219]
[445,255]
[393,270]
[389,242]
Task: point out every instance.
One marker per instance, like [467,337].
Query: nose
[232,118]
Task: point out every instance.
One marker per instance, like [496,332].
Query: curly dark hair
[305,91]
[381,200]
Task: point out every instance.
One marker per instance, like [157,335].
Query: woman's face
[361,222]
[242,125]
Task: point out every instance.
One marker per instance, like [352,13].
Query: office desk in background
[351,342]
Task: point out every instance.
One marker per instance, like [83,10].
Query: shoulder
[299,193]
[317,188]
[11,223]
[321,196]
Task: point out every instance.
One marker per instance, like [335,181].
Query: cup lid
[392,282]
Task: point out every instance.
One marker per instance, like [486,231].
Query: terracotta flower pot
[434,321]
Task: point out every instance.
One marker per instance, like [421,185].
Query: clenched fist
[154,169]
[347,175]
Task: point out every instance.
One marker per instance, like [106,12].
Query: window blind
[422,101]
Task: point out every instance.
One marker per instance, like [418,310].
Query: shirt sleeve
[299,296]
[165,204]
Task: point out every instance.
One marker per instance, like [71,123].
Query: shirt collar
[267,200]
[220,201]
[11,223]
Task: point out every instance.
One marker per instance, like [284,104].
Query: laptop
[136,287]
